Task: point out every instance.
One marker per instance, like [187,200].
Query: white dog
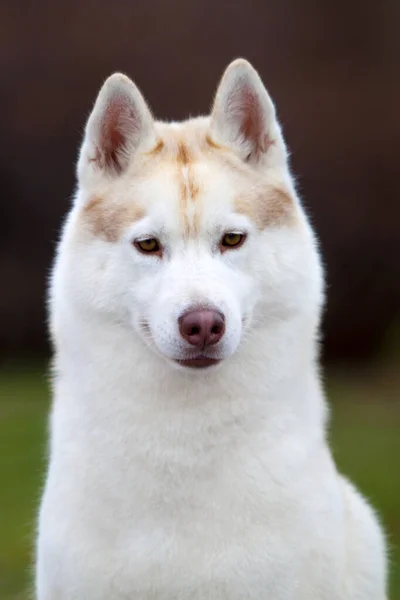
[188,455]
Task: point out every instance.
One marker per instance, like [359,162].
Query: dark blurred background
[333,69]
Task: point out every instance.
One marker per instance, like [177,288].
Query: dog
[188,451]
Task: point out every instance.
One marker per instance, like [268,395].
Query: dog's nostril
[203,327]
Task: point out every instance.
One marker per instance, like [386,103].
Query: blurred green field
[365,435]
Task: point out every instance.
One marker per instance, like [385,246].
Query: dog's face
[191,233]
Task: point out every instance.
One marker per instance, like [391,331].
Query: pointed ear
[243,116]
[118,126]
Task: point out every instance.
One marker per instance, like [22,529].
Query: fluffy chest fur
[209,501]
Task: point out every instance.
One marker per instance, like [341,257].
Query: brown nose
[203,327]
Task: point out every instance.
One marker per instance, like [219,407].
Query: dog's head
[191,233]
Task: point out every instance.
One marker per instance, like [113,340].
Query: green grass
[365,438]
[23,417]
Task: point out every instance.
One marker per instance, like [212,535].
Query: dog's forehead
[183,197]
[186,178]
[195,178]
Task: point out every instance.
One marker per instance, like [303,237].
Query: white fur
[169,483]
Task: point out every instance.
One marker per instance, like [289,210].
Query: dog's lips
[198,362]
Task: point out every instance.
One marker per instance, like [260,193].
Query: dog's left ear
[243,115]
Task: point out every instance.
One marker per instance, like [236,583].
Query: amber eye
[149,245]
[232,240]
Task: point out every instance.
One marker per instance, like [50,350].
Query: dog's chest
[235,537]
[202,565]
[205,561]
[155,523]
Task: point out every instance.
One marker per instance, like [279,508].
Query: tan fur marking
[183,202]
[213,144]
[183,155]
[157,148]
[188,187]
[228,157]
[268,208]
[196,218]
[193,185]
[108,219]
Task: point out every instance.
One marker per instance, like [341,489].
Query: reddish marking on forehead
[188,189]
[107,219]
[183,156]
[157,148]
[213,144]
[268,207]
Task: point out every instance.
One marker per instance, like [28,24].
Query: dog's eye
[148,246]
[232,240]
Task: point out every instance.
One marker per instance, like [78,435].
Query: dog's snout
[202,327]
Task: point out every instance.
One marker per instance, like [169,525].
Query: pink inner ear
[247,108]
[118,123]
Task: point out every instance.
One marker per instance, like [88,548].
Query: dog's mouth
[191,360]
[198,362]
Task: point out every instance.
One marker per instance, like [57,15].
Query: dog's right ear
[120,124]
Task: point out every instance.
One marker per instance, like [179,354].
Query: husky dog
[188,454]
